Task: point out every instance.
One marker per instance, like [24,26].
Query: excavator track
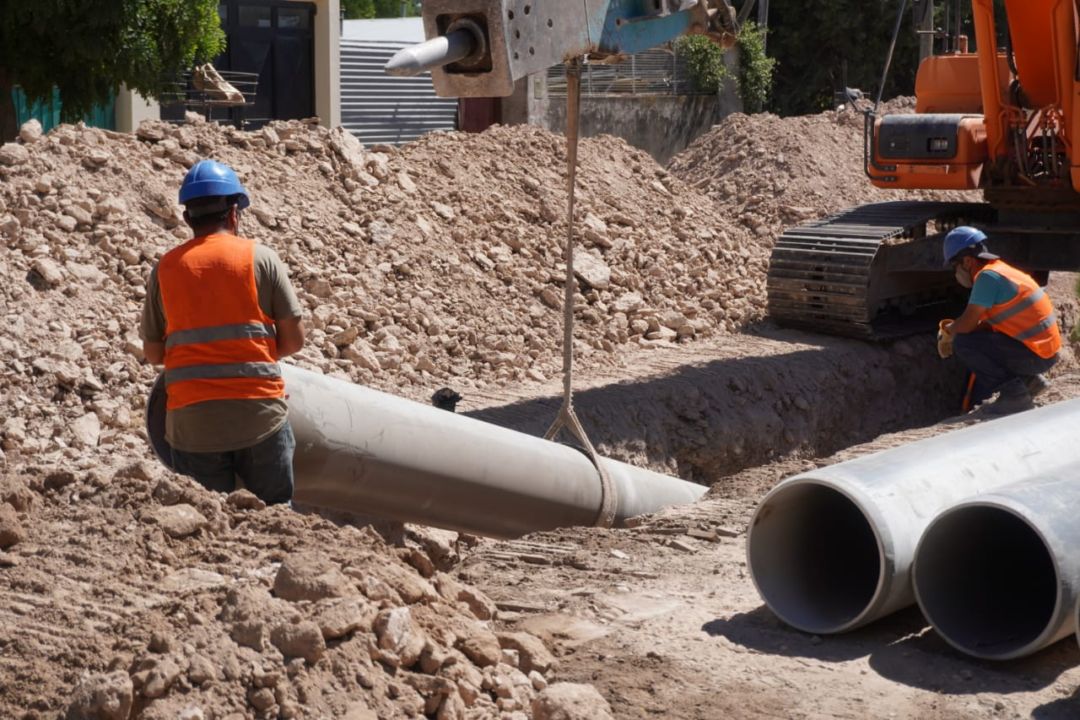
[871,272]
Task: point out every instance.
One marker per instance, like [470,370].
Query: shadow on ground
[903,649]
[706,420]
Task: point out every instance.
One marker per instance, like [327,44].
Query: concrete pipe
[998,576]
[831,549]
[367,453]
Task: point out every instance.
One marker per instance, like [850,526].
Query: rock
[309,576]
[97,158]
[480,605]
[444,211]
[571,701]
[303,639]
[160,678]
[359,711]
[482,647]
[244,500]
[151,130]
[380,232]
[102,697]
[48,271]
[86,431]
[344,618]
[12,154]
[31,131]
[531,650]
[628,303]
[11,530]
[398,633]
[361,353]
[201,670]
[14,492]
[58,479]
[179,521]
[592,270]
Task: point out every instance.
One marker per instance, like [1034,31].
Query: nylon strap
[567,418]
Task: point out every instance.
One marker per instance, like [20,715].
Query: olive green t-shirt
[224,425]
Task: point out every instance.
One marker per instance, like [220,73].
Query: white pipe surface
[831,549]
[369,453]
[998,576]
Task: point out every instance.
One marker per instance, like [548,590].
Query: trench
[714,409]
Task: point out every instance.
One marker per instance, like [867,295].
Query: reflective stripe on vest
[1028,316]
[219,344]
[216,372]
[239,331]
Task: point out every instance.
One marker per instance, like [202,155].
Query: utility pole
[924,25]
[763,21]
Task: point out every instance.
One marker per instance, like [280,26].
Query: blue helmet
[965,237]
[209,178]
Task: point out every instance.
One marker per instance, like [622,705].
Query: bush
[705,61]
[755,69]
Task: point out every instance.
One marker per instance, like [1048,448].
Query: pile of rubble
[440,263]
[766,173]
[131,592]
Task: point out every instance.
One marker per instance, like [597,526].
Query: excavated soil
[128,591]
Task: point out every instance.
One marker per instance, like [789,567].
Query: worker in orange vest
[219,314]
[1008,335]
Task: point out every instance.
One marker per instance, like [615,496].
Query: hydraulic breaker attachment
[479,48]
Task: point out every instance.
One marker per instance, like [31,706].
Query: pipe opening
[986,581]
[814,557]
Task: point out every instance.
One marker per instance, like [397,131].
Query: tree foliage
[368,9]
[704,61]
[755,69]
[824,45]
[86,48]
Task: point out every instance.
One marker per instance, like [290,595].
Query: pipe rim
[1018,511]
[872,522]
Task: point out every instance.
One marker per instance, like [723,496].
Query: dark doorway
[276,40]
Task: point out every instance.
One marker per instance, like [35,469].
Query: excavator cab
[1000,120]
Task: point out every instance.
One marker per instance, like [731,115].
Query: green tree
[87,48]
[821,46]
[367,9]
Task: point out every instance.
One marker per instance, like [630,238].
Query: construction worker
[1008,335]
[219,313]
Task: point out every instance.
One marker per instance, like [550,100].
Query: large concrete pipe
[368,453]
[831,549]
[998,575]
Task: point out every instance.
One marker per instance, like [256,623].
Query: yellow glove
[945,339]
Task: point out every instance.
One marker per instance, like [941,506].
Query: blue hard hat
[965,237]
[209,178]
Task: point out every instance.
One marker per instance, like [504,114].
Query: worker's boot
[1013,397]
[1035,384]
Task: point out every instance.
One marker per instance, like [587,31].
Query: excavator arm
[480,48]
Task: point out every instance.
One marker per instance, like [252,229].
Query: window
[254,16]
[294,19]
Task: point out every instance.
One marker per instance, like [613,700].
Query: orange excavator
[1004,119]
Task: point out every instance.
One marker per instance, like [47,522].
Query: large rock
[102,697]
[571,701]
[31,131]
[181,520]
[310,576]
[531,650]
[398,633]
[482,647]
[303,640]
[11,530]
[13,154]
[86,430]
[592,270]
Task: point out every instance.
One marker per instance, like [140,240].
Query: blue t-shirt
[991,288]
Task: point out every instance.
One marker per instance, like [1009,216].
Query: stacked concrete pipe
[998,575]
[832,549]
[366,453]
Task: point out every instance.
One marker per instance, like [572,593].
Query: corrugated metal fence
[380,108]
[660,71]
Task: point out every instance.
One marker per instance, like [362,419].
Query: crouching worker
[219,313]
[1008,335]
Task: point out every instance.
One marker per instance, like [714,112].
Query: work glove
[945,339]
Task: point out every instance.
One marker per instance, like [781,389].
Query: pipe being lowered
[998,576]
[831,549]
[368,453]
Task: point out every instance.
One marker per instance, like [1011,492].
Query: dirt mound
[768,173]
[134,588]
[437,264]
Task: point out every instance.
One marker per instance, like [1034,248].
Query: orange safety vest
[1027,317]
[219,344]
